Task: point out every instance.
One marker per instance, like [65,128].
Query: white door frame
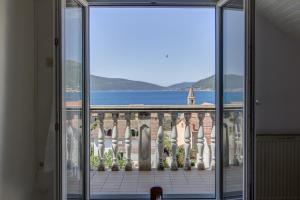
[249,90]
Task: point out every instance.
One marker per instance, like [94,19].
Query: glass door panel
[72,101]
[233,96]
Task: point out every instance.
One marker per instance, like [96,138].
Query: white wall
[17,91]
[44,31]
[22,144]
[277,65]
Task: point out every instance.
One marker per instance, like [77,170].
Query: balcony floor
[173,182]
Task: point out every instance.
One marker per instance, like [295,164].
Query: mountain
[231,82]
[73,80]
[181,86]
[73,75]
[205,84]
[102,83]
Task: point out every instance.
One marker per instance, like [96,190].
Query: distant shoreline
[195,89]
[153,97]
[150,90]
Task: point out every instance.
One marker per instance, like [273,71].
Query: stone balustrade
[161,124]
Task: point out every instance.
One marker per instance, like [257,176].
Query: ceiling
[284,14]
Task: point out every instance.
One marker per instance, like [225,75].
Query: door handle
[258,102]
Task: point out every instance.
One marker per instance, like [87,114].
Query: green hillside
[102,83]
[73,75]
[73,80]
[231,82]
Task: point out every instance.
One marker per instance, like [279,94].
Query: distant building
[191,99]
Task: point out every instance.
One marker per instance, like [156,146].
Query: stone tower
[191,99]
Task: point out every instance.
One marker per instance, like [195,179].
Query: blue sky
[73,34]
[233,42]
[158,45]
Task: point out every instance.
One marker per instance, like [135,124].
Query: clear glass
[168,51]
[72,113]
[233,83]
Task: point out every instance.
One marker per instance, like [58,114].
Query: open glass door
[73,100]
[232,89]
[190,140]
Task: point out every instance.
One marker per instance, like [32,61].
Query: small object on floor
[156,192]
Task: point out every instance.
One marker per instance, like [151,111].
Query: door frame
[250,136]
[219,101]
[220,8]
[60,56]
[249,99]
[249,139]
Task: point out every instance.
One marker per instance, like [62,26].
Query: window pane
[233,83]
[72,101]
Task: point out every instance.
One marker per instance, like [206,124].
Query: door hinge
[56,41]
[56,127]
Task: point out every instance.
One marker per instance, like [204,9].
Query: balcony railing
[197,128]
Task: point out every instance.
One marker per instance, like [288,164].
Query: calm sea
[153,97]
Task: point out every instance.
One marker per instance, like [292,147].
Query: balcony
[138,146]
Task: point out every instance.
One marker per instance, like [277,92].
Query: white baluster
[236,139]
[200,142]
[187,141]
[128,166]
[160,141]
[145,141]
[174,165]
[240,138]
[225,144]
[70,135]
[101,144]
[115,164]
[213,143]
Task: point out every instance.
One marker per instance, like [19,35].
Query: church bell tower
[191,99]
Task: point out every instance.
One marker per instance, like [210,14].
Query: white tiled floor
[172,182]
[140,182]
